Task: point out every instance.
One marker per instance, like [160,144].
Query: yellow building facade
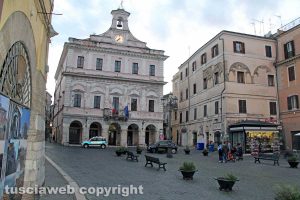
[25,32]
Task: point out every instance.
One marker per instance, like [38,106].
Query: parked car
[97,141]
[162,145]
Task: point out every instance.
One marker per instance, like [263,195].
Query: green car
[97,141]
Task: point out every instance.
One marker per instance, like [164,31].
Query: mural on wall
[14,124]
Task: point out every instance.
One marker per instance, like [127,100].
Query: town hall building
[109,85]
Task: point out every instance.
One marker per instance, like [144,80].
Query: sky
[179,27]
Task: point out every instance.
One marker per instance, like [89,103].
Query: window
[99,63]
[293,102]
[291,71]
[203,58]
[80,61]
[187,93]
[273,110]
[194,88]
[152,70]
[205,111]
[242,106]
[135,68]
[187,116]
[289,50]
[180,75]
[216,77]
[195,113]
[214,51]
[116,103]
[97,100]
[205,83]
[180,117]
[194,66]
[271,80]
[268,51]
[186,72]
[238,47]
[151,105]
[133,104]
[117,66]
[216,107]
[240,77]
[181,96]
[175,115]
[77,100]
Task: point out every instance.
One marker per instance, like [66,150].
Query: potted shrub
[139,150]
[226,183]
[205,152]
[287,192]
[293,161]
[120,151]
[187,150]
[187,170]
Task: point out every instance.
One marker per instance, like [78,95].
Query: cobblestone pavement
[100,168]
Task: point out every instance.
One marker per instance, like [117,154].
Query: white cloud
[170,25]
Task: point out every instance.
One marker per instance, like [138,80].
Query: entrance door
[129,138]
[74,136]
[112,139]
[296,140]
[147,138]
[194,138]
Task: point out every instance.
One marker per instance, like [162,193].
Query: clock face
[119,38]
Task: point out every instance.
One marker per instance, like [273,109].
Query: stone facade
[22,25]
[288,73]
[99,79]
[227,80]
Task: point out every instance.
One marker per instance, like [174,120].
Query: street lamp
[170,103]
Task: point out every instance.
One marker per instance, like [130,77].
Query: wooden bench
[151,160]
[262,156]
[131,156]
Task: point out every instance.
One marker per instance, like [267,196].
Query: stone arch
[133,135]
[268,70]
[75,132]
[218,68]
[238,66]
[150,135]
[78,87]
[151,94]
[95,129]
[116,91]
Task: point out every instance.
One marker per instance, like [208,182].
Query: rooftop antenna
[270,23]
[121,4]
[260,25]
[253,24]
[278,16]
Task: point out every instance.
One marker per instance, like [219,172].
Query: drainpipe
[224,76]
[277,92]
[189,106]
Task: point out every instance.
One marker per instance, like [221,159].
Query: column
[124,137]
[142,137]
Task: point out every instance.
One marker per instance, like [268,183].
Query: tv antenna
[261,25]
[253,24]
[121,4]
[278,16]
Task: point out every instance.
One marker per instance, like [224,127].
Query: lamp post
[170,103]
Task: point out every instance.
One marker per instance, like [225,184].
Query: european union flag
[126,112]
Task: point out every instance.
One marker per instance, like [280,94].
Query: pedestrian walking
[225,151]
[220,151]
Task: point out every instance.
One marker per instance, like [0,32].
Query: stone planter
[187,151]
[138,151]
[187,175]
[205,153]
[293,164]
[119,153]
[225,184]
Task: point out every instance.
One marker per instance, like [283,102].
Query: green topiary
[230,177]
[188,167]
[287,192]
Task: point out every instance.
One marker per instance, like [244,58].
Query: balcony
[114,115]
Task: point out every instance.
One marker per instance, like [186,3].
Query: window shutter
[285,51]
[234,46]
[289,103]
[243,47]
[297,102]
[293,48]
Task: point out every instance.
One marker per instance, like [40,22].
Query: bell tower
[120,19]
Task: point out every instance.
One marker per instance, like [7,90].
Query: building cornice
[113,78]
[288,60]
[123,52]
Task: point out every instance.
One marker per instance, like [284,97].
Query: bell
[119,24]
